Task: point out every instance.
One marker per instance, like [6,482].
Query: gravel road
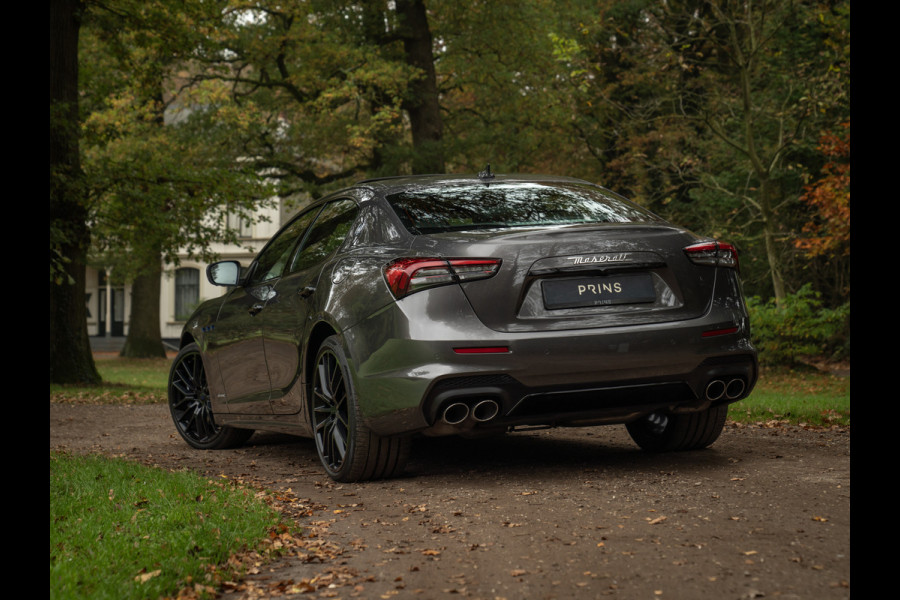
[562,513]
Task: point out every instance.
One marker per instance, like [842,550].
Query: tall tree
[325,82]
[422,104]
[500,86]
[383,88]
[826,233]
[163,161]
[70,352]
[716,108]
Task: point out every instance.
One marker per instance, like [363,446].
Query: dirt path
[578,513]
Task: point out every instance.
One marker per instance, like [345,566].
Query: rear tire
[663,432]
[348,449]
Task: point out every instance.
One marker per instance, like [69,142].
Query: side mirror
[226,272]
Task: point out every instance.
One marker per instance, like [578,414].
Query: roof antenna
[486,174]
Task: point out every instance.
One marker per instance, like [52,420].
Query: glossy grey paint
[401,351]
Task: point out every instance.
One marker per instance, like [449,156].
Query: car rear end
[549,302]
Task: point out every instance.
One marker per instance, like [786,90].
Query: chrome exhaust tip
[735,388]
[715,389]
[485,410]
[455,413]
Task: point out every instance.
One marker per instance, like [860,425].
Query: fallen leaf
[145,577]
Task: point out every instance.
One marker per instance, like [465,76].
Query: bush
[800,326]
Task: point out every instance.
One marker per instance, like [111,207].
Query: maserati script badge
[603,258]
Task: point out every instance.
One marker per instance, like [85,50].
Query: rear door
[286,318]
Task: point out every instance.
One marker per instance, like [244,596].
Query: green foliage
[502,72]
[120,530]
[163,162]
[799,326]
[326,81]
[709,114]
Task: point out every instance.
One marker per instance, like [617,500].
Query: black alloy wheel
[331,418]
[191,408]
[347,447]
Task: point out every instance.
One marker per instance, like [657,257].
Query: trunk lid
[580,276]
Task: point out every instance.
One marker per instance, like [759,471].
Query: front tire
[190,406]
[348,449]
[663,432]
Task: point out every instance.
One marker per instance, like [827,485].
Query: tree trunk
[71,360]
[769,232]
[424,109]
[144,339]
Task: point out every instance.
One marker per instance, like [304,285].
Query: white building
[182,288]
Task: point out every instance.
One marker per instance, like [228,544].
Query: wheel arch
[319,333]
[186,338]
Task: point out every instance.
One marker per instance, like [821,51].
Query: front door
[237,340]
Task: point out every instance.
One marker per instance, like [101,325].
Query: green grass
[799,397]
[125,381]
[149,373]
[121,530]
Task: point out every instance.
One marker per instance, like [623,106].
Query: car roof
[387,185]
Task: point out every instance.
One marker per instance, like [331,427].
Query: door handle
[254,310]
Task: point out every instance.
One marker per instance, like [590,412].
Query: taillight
[713,254]
[407,275]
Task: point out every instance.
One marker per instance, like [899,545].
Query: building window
[242,227]
[187,292]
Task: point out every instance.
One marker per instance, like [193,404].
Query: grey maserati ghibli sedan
[466,305]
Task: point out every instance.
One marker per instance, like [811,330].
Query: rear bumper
[407,373]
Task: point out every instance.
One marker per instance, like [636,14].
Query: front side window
[187,292]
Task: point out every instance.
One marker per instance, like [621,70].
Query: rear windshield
[503,205]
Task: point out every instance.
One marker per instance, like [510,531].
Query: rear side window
[503,205]
[326,235]
[271,261]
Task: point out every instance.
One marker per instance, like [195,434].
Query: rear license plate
[631,288]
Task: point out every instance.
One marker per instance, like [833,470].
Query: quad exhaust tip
[485,410]
[481,411]
[733,389]
[456,413]
[715,389]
